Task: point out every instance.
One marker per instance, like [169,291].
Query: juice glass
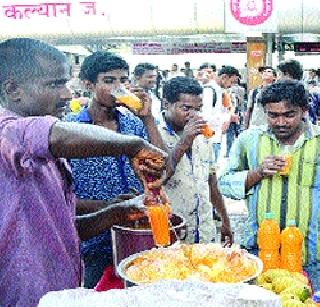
[286,169]
[207,131]
[124,96]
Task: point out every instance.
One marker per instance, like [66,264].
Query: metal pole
[269,39]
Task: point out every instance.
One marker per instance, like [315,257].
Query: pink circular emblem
[251,12]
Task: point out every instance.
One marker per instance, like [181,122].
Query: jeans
[97,255]
[216,150]
[232,133]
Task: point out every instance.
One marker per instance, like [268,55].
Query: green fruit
[301,291]
[292,303]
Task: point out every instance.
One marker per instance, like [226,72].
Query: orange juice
[158,218]
[291,248]
[285,170]
[269,243]
[207,131]
[130,100]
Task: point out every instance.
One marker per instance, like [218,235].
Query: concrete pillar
[256,57]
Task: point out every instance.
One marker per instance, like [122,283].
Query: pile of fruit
[292,287]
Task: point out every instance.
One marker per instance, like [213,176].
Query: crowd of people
[65,175]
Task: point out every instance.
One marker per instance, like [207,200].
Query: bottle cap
[316,297]
[291,223]
[269,215]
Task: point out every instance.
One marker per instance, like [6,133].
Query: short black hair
[180,85]
[141,68]
[229,71]
[99,62]
[208,65]
[23,59]
[292,68]
[292,91]
[187,63]
[263,68]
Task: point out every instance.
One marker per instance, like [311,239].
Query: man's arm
[236,180]
[153,132]
[270,166]
[72,140]
[148,120]
[216,198]
[193,128]
[93,224]
[253,178]
[232,179]
[86,206]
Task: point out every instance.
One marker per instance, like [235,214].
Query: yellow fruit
[300,277]
[292,303]
[271,274]
[286,297]
[281,283]
[310,303]
[267,286]
[260,280]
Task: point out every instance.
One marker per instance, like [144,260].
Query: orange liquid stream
[158,218]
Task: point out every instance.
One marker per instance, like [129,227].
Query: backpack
[214,95]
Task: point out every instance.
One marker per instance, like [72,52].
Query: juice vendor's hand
[149,197]
[150,161]
[122,213]
[271,165]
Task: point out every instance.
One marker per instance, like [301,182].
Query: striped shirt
[293,197]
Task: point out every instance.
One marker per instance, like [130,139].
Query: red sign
[251,12]
[49,9]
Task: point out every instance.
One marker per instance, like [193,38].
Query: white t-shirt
[217,115]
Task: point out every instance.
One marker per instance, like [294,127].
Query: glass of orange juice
[124,96]
[208,131]
[286,169]
[158,218]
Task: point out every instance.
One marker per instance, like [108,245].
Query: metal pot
[127,240]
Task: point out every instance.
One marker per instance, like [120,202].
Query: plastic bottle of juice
[291,248]
[269,242]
